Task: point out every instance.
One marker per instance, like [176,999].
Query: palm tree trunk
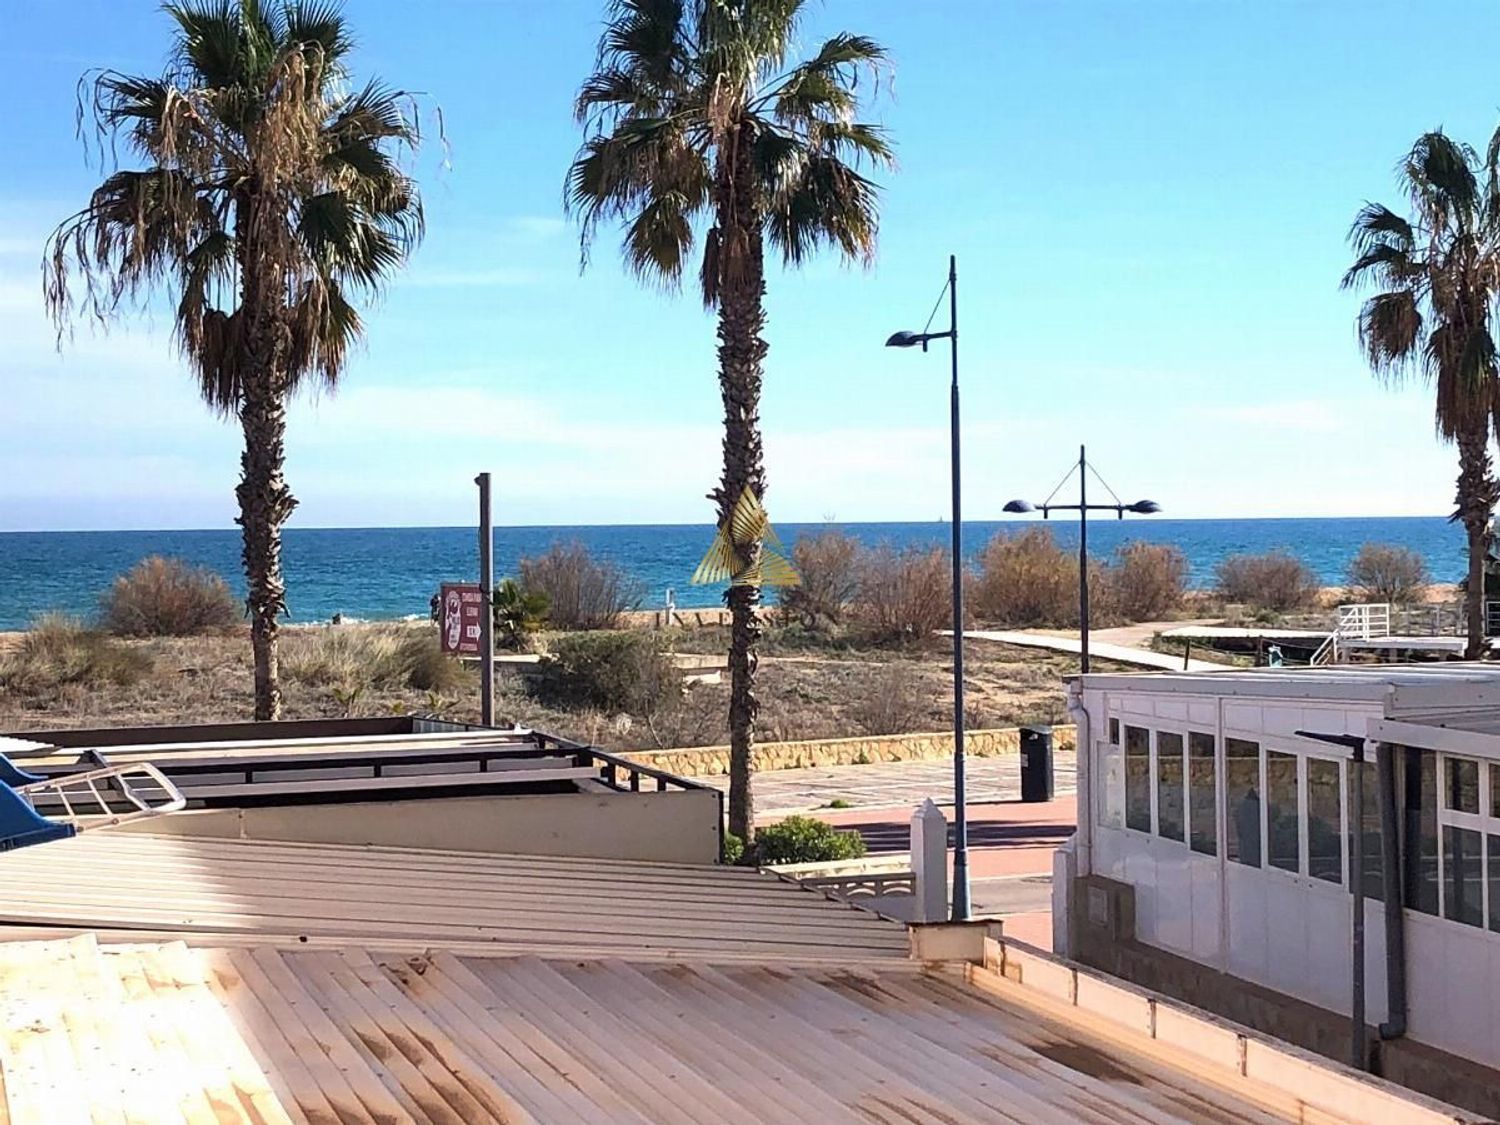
[265,500]
[265,504]
[741,355]
[1477,492]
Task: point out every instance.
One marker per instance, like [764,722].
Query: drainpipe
[1390,875]
[1083,743]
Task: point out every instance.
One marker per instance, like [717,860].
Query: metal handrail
[93,809]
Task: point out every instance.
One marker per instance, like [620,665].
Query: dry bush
[1146,582]
[893,703]
[1276,581]
[1382,572]
[369,658]
[59,651]
[162,597]
[1026,579]
[904,596]
[829,566]
[581,592]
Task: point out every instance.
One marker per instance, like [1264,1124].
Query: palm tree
[695,116]
[270,197]
[1438,273]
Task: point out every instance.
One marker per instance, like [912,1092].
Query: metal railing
[103,798]
[1363,621]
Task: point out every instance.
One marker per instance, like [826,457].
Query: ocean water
[388,573]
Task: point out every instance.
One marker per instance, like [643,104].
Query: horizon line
[1020,521]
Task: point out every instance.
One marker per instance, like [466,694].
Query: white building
[1214,834]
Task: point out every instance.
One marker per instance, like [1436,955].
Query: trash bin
[1036,763]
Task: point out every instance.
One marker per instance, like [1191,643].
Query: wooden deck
[1120,654]
[166,1033]
[206,887]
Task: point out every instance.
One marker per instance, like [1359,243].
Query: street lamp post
[1083,508]
[960,910]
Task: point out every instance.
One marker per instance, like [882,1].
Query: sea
[391,573]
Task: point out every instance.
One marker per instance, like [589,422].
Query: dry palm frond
[746,551]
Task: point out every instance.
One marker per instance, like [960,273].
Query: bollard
[1036,763]
[929,862]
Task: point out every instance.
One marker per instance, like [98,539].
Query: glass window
[1169,793]
[1202,795]
[1114,732]
[1285,849]
[1325,837]
[1495,790]
[1138,779]
[1242,792]
[1461,785]
[1463,885]
[1494,842]
[1374,887]
[1420,808]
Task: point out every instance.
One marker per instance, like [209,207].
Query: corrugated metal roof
[206,887]
[166,1033]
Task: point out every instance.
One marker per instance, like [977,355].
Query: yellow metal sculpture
[733,558]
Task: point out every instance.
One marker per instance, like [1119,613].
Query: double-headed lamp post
[960,813]
[1083,508]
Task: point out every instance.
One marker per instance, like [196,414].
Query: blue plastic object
[21,825]
[12,775]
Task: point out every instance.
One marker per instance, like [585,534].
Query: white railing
[103,798]
[1364,621]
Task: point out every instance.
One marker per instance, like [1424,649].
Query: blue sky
[1148,201]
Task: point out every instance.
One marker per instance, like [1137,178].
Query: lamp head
[1019,506]
[905,340]
[1144,507]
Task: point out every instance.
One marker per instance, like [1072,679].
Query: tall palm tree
[1438,274]
[696,117]
[270,197]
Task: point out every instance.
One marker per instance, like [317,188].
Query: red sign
[462,616]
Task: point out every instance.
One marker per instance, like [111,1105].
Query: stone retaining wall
[703,761]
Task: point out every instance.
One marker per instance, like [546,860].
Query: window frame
[1484,823]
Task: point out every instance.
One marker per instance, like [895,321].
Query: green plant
[59,651]
[839,803]
[697,121]
[611,672]
[1385,573]
[734,848]
[271,196]
[518,613]
[161,597]
[805,839]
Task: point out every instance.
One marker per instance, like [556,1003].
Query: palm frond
[320,24]
[828,204]
[746,550]
[1390,331]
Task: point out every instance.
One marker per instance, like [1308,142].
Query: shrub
[805,839]
[1275,581]
[893,703]
[581,592]
[1026,579]
[904,596]
[614,672]
[370,657]
[161,597]
[1147,581]
[59,651]
[829,566]
[1382,572]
